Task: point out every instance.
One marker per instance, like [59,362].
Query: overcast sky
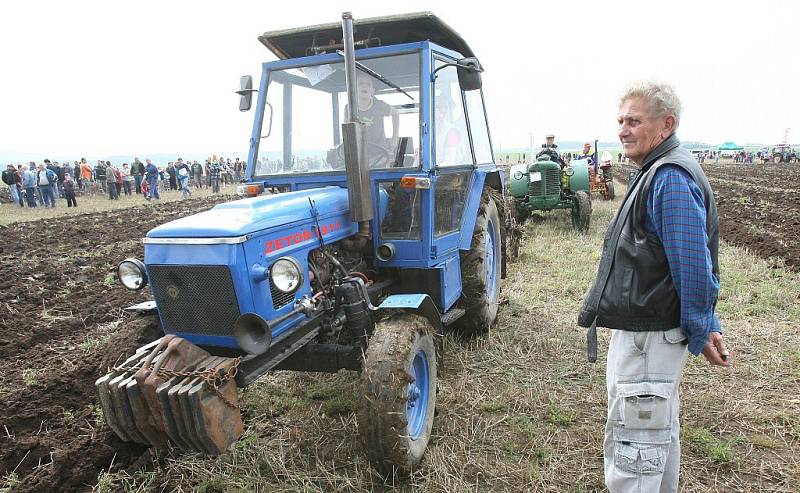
[107,77]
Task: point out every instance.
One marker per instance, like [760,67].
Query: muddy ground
[61,327]
[759,208]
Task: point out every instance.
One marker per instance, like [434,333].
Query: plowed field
[61,326]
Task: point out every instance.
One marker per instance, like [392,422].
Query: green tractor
[548,184]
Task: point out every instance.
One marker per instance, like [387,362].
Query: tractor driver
[371,112]
[588,155]
[550,148]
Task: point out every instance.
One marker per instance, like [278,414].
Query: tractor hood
[246,216]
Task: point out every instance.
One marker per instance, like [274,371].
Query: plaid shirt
[676,212]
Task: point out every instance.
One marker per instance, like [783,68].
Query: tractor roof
[371,32]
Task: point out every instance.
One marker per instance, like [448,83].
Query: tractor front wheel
[399,393]
[609,191]
[581,211]
[480,272]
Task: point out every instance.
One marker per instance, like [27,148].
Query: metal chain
[213,379]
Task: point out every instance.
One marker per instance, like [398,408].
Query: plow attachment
[173,391]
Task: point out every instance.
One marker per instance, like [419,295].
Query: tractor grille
[535,189]
[550,184]
[279,299]
[553,182]
[197,299]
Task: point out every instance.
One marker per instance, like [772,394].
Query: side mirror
[246,93]
[469,74]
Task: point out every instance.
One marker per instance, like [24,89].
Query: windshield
[309,105]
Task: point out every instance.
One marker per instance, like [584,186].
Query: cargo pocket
[642,436]
[640,459]
[645,405]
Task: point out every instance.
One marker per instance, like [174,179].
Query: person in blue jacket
[151,173]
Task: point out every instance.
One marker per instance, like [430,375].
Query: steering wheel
[384,157]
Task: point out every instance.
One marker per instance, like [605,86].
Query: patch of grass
[559,416]
[213,485]
[271,400]
[523,423]
[764,441]
[340,404]
[321,392]
[106,483]
[494,407]
[30,377]
[94,342]
[245,442]
[9,483]
[110,280]
[98,418]
[703,443]
[68,417]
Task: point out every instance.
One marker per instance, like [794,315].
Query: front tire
[609,192]
[581,211]
[481,272]
[398,382]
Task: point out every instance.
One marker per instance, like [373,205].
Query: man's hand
[715,351]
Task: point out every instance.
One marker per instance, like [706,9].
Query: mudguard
[421,304]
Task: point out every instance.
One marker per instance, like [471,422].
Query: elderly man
[657,285]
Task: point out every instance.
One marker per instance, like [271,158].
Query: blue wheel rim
[418,389]
[490,262]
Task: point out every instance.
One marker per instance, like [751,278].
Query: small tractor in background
[783,153]
[600,177]
[355,250]
[549,183]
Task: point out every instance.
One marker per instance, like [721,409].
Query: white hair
[660,97]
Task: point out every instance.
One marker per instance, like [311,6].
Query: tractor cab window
[478,127]
[450,124]
[309,104]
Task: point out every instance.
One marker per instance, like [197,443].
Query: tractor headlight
[132,274]
[518,175]
[286,275]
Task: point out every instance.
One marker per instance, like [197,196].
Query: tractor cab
[425,132]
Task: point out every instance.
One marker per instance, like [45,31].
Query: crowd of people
[43,184]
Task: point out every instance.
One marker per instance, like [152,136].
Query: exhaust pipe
[353,135]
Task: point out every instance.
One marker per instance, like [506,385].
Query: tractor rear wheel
[609,191]
[480,272]
[777,158]
[398,382]
[581,211]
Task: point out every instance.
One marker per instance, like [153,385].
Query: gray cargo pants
[642,450]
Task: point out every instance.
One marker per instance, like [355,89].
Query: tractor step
[173,391]
[452,315]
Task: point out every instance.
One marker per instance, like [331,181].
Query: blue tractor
[375,221]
